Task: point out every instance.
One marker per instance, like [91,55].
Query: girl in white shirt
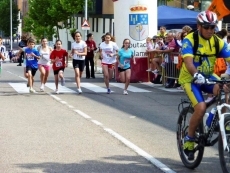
[78,53]
[108,52]
[44,62]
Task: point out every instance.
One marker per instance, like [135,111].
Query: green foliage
[46,14]
[5,17]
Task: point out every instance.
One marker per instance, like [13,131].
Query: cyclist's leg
[194,93]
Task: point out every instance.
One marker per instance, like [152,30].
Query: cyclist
[196,67]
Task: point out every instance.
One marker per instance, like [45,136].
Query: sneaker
[79,90]
[63,81]
[56,91]
[42,88]
[32,90]
[108,91]
[155,71]
[125,92]
[149,69]
[209,99]
[189,148]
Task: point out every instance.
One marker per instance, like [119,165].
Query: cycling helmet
[207,18]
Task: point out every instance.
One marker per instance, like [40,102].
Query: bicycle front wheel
[182,131]
[223,154]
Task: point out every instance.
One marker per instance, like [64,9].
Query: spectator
[21,44]
[91,47]
[151,46]
[162,32]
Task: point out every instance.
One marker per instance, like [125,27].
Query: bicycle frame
[221,123]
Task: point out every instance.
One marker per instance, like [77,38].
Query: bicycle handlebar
[214,81]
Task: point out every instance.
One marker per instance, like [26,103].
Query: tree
[5,17]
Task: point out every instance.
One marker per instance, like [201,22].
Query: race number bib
[58,64]
[126,61]
[30,58]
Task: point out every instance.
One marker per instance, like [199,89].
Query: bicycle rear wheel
[223,154]
[182,131]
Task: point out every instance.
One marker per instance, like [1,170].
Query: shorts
[33,70]
[110,66]
[194,91]
[46,67]
[57,71]
[122,69]
[79,64]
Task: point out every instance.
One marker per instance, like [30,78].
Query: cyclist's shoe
[189,147]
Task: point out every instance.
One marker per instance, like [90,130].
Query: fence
[169,63]
[170,66]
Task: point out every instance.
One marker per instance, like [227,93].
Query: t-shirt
[3,50]
[107,49]
[22,44]
[80,48]
[45,56]
[61,55]
[125,57]
[31,61]
[205,47]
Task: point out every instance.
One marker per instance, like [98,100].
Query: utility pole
[86,13]
[11,44]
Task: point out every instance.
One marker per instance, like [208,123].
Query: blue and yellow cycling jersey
[204,65]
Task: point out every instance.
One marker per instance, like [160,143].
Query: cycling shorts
[194,91]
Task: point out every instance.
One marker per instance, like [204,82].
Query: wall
[107,7]
[97,34]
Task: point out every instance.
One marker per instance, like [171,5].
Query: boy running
[32,55]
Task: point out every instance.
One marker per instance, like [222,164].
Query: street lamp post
[11,25]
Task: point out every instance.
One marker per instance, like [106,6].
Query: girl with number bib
[59,58]
[44,62]
[78,53]
[108,51]
[125,54]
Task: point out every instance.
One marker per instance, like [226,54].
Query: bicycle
[204,137]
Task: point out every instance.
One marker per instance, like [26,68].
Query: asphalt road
[92,132]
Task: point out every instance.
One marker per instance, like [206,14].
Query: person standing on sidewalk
[125,54]
[89,59]
[78,53]
[2,50]
[108,51]
[59,58]
[44,62]
[21,44]
[32,55]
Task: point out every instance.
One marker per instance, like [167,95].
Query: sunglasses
[208,27]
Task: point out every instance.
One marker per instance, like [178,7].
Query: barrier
[170,66]
[138,71]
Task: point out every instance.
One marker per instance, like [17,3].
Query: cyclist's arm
[188,61]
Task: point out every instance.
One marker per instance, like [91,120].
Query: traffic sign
[85,25]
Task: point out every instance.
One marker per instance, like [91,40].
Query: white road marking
[96,122]
[61,89]
[141,152]
[20,87]
[130,88]
[94,88]
[161,87]
[83,114]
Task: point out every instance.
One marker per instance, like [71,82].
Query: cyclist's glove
[198,78]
